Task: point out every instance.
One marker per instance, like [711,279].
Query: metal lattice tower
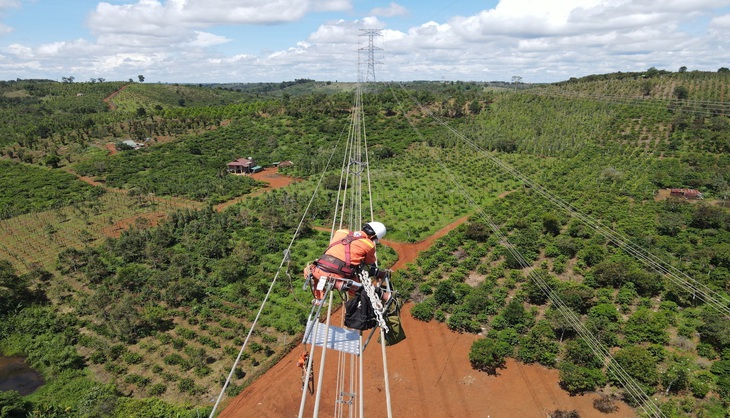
[371,48]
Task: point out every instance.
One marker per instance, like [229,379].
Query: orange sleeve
[370,257]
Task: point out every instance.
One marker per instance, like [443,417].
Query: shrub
[605,404]
[186,385]
[488,354]
[132,358]
[462,322]
[424,311]
[440,315]
[157,389]
[559,413]
[577,379]
[97,357]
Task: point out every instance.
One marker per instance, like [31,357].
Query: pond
[18,376]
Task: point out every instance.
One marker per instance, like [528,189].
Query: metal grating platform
[339,339]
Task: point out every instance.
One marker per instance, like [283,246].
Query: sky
[227,41]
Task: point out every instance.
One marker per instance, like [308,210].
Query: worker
[347,254]
[303,358]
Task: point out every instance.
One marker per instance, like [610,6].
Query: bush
[424,311]
[605,404]
[559,413]
[488,355]
[157,389]
[132,358]
[577,379]
[463,322]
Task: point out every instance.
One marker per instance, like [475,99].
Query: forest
[130,291]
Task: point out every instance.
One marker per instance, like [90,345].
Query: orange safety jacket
[346,251]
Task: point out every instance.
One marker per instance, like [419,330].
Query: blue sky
[200,41]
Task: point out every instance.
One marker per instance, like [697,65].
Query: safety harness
[334,265]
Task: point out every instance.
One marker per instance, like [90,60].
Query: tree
[724,70]
[578,379]
[651,72]
[515,314]
[715,330]
[551,224]
[488,354]
[603,323]
[707,216]
[646,326]
[579,352]
[444,294]
[681,92]
[683,69]
[13,289]
[638,362]
[646,87]
[141,78]
[539,345]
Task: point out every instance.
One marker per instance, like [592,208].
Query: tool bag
[359,312]
[395,332]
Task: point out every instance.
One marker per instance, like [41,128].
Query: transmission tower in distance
[370,49]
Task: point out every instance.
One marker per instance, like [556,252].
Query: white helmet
[374,228]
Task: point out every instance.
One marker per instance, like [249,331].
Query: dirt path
[430,377]
[108,100]
[408,253]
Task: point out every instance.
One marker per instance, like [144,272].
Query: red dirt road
[407,253]
[430,377]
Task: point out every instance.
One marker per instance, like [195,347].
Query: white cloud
[204,39]
[393,9]
[149,16]
[721,23]
[176,41]
[20,51]
[9,4]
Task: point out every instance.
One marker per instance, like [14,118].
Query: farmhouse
[686,193]
[244,166]
[287,163]
[132,144]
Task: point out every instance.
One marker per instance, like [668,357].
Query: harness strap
[330,262]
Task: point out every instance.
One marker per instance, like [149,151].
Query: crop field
[34,240]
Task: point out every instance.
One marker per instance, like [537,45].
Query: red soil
[407,253]
[270,176]
[108,99]
[429,374]
[112,148]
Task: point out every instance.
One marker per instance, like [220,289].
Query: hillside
[152,317]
